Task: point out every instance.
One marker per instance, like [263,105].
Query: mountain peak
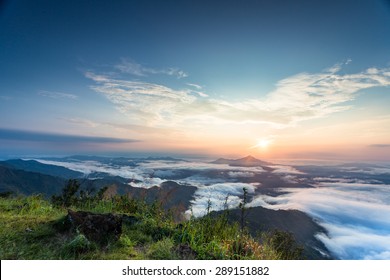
[245,161]
[249,158]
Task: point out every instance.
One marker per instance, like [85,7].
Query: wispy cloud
[33,136]
[301,97]
[305,96]
[380,146]
[198,87]
[83,122]
[124,128]
[130,67]
[143,101]
[57,95]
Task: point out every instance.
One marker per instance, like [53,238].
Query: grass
[33,228]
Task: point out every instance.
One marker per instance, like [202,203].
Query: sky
[275,79]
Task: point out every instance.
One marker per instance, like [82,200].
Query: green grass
[33,228]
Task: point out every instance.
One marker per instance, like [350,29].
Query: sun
[263,143]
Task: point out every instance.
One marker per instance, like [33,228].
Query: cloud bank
[355,215]
[218,196]
[354,211]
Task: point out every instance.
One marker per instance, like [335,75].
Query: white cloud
[57,95]
[301,97]
[354,214]
[285,169]
[349,242]
[217,195]
[133,68]
[198,87]
[148,183]
[240,174]
[369,170]
[88,167]
[198,166]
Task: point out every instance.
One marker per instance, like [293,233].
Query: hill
[25,182]
[248,161]
[302,227]
[35,166]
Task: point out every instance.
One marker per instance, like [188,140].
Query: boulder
[99,228]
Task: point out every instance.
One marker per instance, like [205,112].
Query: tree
[68,196]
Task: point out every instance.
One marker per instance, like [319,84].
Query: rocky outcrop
[99,228]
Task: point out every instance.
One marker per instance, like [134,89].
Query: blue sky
[195,77]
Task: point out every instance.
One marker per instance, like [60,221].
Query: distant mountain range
[25,182]
[48,169]
[248,161]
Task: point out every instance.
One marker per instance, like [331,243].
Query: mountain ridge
[248,161]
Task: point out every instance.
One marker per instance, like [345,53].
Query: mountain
[48,169]
[164,158]
[303,227]
[26,182]
[248,161]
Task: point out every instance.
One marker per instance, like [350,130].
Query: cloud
[354,211]
[197,166]
[57,95]
[143,101]
[372,170]
[217,195]
[130,67]
[33,136]
[285,169]
[89,167]
[240,174]
[147,183]
[380,146]
[198,87]
[121,127]
[297,98]
[354,214]
[83,122]
[349,242]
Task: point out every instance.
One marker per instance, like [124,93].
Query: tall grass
[35,228]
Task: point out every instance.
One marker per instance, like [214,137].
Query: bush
[284,244]
[162,250]
[68,196]
[77,246]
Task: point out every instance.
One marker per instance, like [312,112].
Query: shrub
[77,246]
[162,250]
[284,244]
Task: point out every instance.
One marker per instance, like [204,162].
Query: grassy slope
[32,229]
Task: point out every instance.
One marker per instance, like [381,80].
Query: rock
[99,228]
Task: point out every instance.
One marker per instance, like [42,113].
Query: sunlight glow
[262,143]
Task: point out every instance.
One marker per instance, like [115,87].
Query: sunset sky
[276,79]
